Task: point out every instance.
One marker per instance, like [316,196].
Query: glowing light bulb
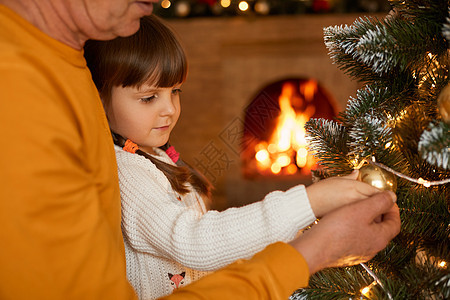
[225,3]
[367,289]
[166,4]
[424,182]
[243,5]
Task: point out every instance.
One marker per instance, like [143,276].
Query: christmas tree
[396,130]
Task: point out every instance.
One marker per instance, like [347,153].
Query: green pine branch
[338,283]
[427,207]
[434,145]
[379,99]
[327,141]
[341,42]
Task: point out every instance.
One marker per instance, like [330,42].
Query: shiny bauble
[378,178]
[443,103]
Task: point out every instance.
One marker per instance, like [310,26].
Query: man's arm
[274,273]
[59,200]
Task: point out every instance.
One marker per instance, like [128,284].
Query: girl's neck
[148,150]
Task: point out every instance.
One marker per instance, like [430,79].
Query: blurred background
[258,70]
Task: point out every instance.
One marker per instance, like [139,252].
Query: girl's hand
[332,193]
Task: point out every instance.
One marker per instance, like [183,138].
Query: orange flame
[286,150]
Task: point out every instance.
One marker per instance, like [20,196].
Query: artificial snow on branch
[434,145]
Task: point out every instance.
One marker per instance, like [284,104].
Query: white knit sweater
[167,239]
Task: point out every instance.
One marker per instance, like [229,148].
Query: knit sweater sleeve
[154,221]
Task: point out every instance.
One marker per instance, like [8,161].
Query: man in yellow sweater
[59,197]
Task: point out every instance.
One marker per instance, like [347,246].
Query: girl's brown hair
[152,54]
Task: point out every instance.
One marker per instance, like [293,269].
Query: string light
[377,281]
[367,289]
[420,181]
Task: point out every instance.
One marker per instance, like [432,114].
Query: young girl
[170,237]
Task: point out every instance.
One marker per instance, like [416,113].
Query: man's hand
[352,234]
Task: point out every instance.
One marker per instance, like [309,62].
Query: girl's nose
[169,107]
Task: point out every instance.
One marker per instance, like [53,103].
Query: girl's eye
[176,91]
[148,99]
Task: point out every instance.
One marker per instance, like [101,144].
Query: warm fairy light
[402,114]
[442,264]
[367,289]
[428,73]
[355,163]
[424,182]
[388,144]
[286,149]
[396,118]
[225,3]
[166,4]
[243,5]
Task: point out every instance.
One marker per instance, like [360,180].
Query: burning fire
[286,152]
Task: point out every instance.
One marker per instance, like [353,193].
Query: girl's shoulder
[123,156]
[131,165]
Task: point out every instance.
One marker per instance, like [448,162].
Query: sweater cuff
[297,207]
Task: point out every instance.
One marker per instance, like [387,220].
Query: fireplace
[274,142]
[231,61]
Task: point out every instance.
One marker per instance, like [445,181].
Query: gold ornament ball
[378,178]
[444,104]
